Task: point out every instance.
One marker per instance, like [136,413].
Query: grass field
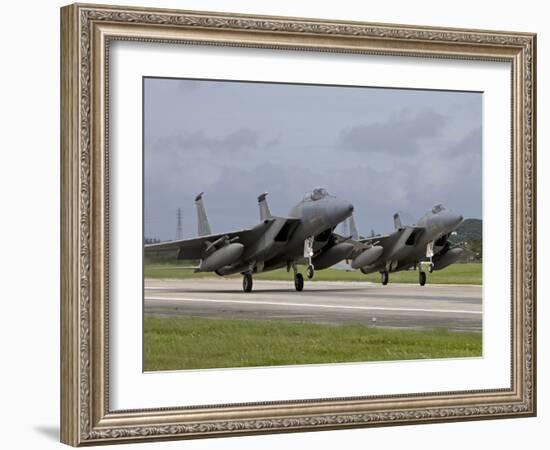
[469,273]
[197,343]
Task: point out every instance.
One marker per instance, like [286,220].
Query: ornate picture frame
[87,32]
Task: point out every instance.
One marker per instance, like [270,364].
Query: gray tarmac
[454,307]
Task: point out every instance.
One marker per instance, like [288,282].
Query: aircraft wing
[195,247]
[395,243]
[359,245]
[384,240]
[187,248]
[389,242]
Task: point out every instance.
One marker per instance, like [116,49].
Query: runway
[453,307]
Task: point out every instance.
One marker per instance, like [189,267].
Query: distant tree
[469,235]
[476,247]
[150,240]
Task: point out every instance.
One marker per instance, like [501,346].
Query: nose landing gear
[310,271]
[308,253]
[429,254]
[384,277]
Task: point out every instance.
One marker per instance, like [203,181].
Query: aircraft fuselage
[412,247]
[283,241]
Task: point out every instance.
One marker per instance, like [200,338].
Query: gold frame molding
[86,31]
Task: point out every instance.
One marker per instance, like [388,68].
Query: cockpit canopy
[437,209]
[316,194]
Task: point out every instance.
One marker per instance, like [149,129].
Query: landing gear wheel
[310,271]
[247,282]
[421,278]
[385,278]
[299,282]
[431,268]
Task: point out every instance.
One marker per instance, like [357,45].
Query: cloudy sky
[385,150]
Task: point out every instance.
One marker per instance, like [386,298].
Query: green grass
[199,343]
[469,273]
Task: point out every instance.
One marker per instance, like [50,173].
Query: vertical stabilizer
[265,213]
[203,225]
[353,228]
[397,221]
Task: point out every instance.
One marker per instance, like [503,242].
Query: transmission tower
[179,227]
[345,227]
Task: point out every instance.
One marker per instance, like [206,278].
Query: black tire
[385,277]
[310,272]
[421,278]
[299,282]
[247,282]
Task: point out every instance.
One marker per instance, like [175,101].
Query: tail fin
[203,225]
[397,221]
[265,213]
[353,228]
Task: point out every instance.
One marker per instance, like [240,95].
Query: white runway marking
[313,305]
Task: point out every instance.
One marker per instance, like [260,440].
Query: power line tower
[345,227]
[179,227]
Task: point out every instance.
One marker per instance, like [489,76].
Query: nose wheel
[384,277]
[247,282]
[310,271]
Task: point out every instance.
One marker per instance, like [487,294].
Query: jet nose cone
[341,211]
[348,210]
[453,221]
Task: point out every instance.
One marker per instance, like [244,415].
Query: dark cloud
[397,150]
[468,146]
[240,139]
[274,142]
[400,134]
[237,140]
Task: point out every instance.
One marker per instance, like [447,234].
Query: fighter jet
[274,243]
[417,246]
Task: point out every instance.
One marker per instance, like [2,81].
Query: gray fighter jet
[274,243]
[422,245]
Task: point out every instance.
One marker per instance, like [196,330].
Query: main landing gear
[421,278]
[299,282]
[385,277]
[298,278]
[247,282]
